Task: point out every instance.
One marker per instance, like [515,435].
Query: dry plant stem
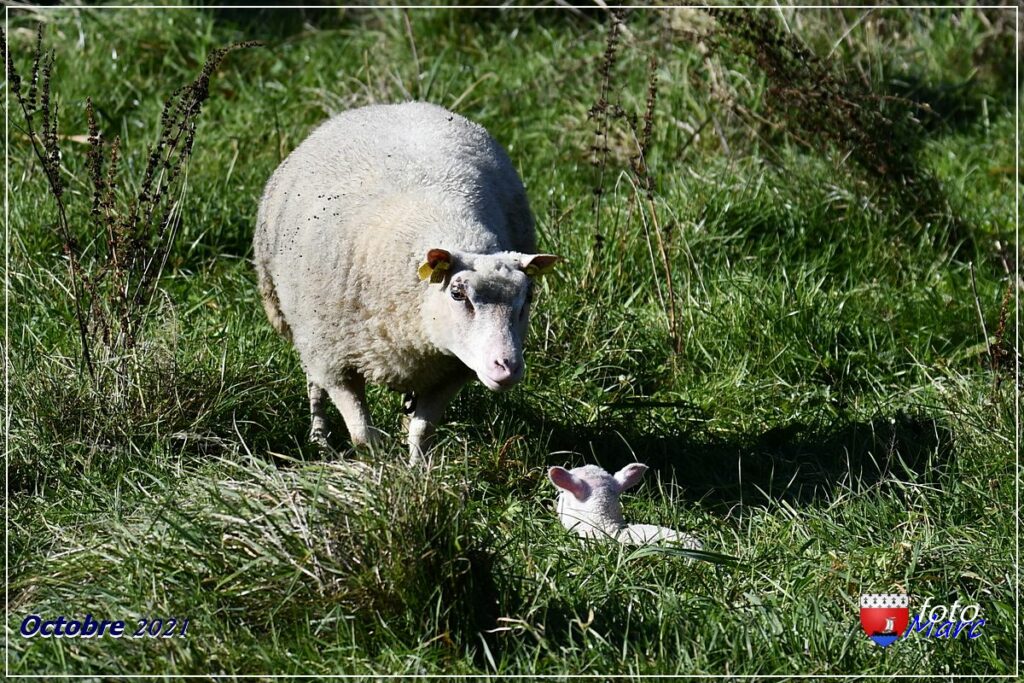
[981,316]
[997,351]
[105,220]
[168,174]
[153,222]
[601,113]
[48,154]
[669,287]
[166,161]
[647,179]
[114,296]
[814,102]
[650,252]
[604,111]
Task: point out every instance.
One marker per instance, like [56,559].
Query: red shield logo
[884,616]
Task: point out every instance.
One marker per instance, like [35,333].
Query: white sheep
[588,504]
[395,246]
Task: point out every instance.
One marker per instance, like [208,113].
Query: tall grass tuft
[338,551]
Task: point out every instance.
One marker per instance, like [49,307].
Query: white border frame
[602,7]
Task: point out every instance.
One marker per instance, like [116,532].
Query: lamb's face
[589,496]
[481,313]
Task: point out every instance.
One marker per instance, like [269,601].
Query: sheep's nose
[506,371]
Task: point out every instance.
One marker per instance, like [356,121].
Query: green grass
[830,421]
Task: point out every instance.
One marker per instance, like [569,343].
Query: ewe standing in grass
[395,246]
[588,504]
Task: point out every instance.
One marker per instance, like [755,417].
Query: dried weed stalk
[114,290]
[606,113]
[815,104]
[1002,353]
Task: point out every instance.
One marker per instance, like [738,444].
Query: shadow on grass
[796,463]
[882,126]
[945,107]
[282,23]
[274,24]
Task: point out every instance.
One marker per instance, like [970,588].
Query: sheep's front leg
[350,398]
[318,430]
[427,409]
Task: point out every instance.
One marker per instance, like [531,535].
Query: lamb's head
[481,310]
[588,502]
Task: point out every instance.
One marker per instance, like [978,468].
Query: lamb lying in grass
[588,504]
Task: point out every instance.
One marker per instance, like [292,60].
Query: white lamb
[588,504]
[395,246]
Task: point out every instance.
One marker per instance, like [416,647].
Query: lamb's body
[343,225]
[588,505]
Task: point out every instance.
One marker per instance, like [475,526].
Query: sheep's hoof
[318,439]
[369,438]
[417,455]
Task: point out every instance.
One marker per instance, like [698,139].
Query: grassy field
[824,392]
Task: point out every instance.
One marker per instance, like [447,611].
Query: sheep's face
[588,501]
[481,311]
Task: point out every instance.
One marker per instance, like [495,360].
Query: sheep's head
[588,501]
[481,310]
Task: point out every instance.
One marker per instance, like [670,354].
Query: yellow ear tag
[436,274]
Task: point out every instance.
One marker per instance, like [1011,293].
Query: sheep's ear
[438,262]
[630,475]
[538,264]
[564,479]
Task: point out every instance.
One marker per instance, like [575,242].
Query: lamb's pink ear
[564,479]
[630,475]
[538,264]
